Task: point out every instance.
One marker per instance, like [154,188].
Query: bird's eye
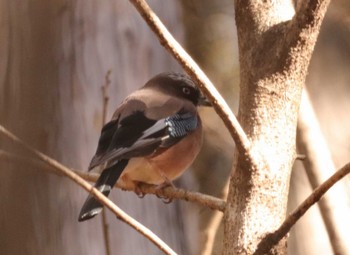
[186,90]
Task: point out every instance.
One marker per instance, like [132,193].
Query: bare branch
[97,194]
[168,192]
[105,97]
[191,67]
[211,230]
[300,157]
[319,165]
[105,100]
[210,233]
[273,238]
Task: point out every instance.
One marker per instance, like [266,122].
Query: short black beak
[203,101]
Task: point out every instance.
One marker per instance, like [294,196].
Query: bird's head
[179,85]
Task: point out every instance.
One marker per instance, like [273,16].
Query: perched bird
[153,136]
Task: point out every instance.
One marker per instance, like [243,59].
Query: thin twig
[97,194]
[190,66]
[273,238]
[168,192]
[300,157]
[105,99]
[213,226]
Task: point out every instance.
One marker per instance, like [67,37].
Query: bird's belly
[139,170]
[169,164]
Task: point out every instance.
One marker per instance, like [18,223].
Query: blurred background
[54,57]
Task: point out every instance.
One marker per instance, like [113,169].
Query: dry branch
[273,238]
[168,192]
[212,227]
[105,99]
[190,66]
[97,194]
[334,207]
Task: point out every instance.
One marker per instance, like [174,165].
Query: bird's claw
[167,183]
[138,191]
[165,200]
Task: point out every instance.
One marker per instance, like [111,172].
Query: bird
[153,137]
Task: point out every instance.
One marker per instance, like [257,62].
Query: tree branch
[212,227]
[273,238]
[305,28]
[311,10]
[319,165]
[168,192]
[97,194]
[191,67]
[105,99]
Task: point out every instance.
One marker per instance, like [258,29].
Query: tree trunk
[275,48]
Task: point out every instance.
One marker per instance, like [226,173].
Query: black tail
[105,183]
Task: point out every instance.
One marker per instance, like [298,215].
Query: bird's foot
[138,190]
[166,183]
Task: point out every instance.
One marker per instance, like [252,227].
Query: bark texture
[275,47]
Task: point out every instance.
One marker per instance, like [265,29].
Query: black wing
[137,136]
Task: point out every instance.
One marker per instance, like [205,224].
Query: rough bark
[275,49]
